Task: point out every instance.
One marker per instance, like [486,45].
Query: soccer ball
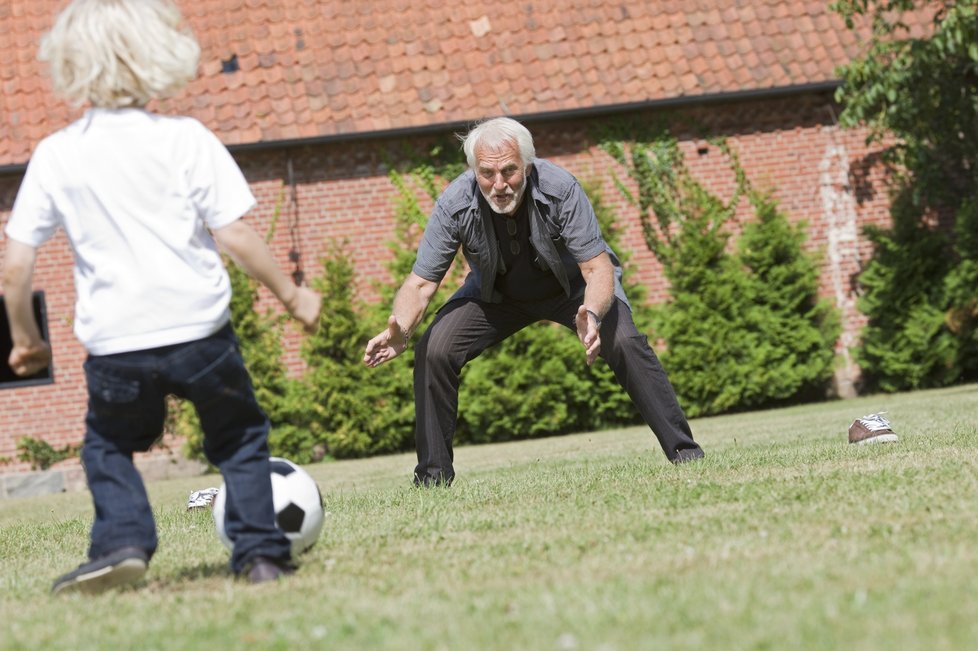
[298,505]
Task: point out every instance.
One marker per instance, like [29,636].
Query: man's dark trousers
[463,328]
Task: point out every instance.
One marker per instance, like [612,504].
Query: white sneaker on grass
[870,429]
[203,497]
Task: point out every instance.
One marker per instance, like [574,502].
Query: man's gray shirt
[564,232]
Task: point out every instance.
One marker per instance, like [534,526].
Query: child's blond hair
[119,53]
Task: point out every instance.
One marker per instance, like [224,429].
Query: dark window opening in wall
[8,379]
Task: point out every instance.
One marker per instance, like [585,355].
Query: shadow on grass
[194,573]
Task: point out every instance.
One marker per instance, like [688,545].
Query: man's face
[502,176]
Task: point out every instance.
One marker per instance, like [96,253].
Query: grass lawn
[784,537]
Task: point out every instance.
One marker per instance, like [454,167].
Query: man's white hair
[494,132]
[119,53]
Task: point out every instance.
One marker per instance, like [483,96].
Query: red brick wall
[817,173]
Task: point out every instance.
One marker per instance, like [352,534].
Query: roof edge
[593,111]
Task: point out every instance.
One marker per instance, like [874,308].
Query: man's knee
[434,349]
[628,346]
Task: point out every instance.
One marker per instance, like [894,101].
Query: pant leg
[211,374]
[462,329]
[125,415]
[639,372]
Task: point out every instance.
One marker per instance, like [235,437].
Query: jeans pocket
[115,404]
[110,389]
[224,378]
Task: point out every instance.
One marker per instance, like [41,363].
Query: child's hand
[304,307]
[28,360]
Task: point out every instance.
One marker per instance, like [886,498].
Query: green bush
[961,285]
[795,347]
[340,408]
[744,328]
[917,94]
[907,342]
[42,455]
[351,410]
[530,385]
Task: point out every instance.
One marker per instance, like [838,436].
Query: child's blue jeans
[126,410]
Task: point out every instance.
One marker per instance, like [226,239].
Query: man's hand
[587,332]
[28,360]
[386,346]
[304,307]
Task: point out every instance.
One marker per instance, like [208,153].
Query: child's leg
[236,441]
[125,415]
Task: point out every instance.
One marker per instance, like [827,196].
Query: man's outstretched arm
[410,303]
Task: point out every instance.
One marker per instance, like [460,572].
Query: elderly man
[535,251]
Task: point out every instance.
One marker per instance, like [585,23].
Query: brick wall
[817,172]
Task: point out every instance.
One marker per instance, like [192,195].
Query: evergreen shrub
[743,324]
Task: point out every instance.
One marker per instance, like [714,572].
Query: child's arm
[30,353]
[251,253]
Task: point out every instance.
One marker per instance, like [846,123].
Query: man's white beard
[510,208]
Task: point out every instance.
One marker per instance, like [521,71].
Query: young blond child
[142,198]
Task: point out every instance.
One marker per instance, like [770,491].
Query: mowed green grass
[785,537]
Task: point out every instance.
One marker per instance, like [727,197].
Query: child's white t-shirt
[136,193]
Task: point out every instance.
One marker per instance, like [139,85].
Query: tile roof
[323,68]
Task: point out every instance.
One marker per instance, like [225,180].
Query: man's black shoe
[427,481]
[688,454]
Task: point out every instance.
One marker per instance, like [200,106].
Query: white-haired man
[535,252]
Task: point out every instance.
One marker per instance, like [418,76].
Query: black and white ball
[298,505]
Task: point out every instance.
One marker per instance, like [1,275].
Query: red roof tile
[312,68]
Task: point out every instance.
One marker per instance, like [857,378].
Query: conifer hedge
[742,328]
